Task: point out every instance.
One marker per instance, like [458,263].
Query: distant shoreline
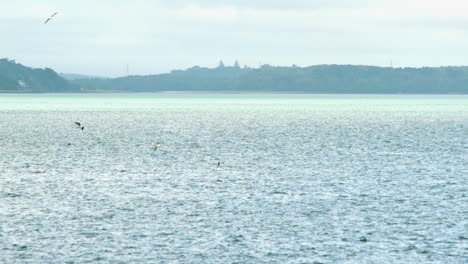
[220,92]
[267,79]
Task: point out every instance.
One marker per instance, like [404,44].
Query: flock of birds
[80,126]
[156,146]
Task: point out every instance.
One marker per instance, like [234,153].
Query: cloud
[269,4]
[414,9]
[198,13]
[156,36]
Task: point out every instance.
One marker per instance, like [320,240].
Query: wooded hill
[346,79]
[15,77]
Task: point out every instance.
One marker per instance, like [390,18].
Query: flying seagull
[158,145]
[50,17]
[78,125]
[217,166]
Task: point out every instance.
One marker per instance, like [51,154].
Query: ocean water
[303,178]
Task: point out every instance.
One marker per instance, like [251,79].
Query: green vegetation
[74,76]
[314,79]
[7,84]
[15,77]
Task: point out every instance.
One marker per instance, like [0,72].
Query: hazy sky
[101,37]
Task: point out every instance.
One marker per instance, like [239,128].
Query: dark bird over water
[50,17]
[78,125]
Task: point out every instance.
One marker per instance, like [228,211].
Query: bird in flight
[158,145]
[217,166]
[50,17]
[78,125]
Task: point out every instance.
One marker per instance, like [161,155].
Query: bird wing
[77,123]
[47,20]
[54,14]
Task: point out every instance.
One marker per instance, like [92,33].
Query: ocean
[302,178]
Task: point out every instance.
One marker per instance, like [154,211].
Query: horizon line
[234,66]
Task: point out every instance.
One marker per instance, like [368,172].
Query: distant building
[22,84]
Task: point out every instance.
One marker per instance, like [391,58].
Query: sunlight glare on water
[303,178]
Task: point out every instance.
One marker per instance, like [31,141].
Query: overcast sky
[100,37]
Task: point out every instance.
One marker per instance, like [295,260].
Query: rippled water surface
[303,179]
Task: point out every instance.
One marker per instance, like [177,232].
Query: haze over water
[303,178]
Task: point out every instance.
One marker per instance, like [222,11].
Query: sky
[150,36]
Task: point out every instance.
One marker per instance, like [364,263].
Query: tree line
[345,79]
[15,77]
[314,79]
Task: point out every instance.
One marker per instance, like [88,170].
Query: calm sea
[302,178]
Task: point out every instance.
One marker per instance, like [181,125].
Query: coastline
[219,92]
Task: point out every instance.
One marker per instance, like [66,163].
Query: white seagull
[158,145]
[50,17]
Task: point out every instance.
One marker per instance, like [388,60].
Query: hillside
[76,76]
[314,79]
[345,79]
[15,77]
